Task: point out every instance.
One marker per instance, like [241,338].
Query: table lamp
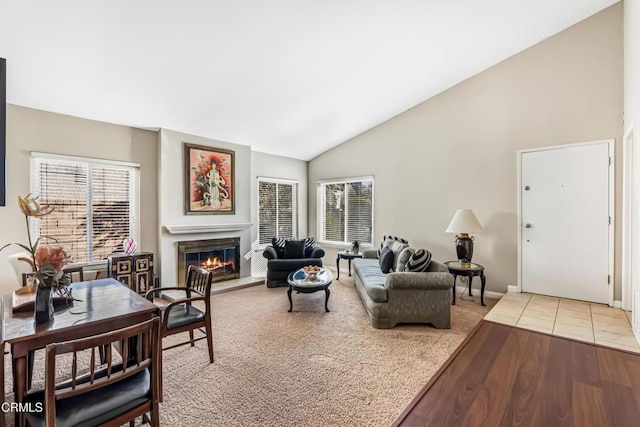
[463,223]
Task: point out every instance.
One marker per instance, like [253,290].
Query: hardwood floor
[506,376]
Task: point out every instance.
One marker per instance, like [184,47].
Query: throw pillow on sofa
[388,241]
[403,258]
[397,247]
[309,242]
[294,249]
[419,261]
[278,244]
[386,260]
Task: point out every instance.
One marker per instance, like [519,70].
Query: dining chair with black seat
[108,395]
[181,316]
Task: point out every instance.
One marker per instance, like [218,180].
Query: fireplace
[221,256]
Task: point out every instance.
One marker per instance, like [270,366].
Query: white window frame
[321,203]
[296,208]
[134,186]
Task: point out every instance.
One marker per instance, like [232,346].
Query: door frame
[628,186]
[610,147]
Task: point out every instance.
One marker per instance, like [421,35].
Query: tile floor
[596,323]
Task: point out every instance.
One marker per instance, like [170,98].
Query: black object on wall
[3,132]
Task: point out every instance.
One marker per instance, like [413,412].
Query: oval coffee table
[299,282]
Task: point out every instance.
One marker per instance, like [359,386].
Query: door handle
[527,225]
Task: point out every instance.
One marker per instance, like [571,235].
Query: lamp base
[464,249]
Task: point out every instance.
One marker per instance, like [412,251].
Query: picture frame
[142,282]
[142,264]
[125,279]
[123,266]
[209,180]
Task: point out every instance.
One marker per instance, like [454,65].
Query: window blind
[96,205]
[277,210]
[346,211]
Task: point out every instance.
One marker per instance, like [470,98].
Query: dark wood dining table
[99,306]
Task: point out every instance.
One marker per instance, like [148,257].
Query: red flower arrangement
[46,261]
[56,256]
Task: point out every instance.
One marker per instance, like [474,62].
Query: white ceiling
[288,77]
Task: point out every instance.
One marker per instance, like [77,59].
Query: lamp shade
[464,221]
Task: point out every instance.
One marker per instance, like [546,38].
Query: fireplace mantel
[206,228]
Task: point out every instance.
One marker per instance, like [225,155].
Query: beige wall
[171,198]
[269,166]
[249,166]
[34,130]
[632,99]
[632,66]
[458,149]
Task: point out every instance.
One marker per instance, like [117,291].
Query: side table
[474,270]
[348,256]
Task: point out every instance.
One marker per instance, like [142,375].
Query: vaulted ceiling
[287,77]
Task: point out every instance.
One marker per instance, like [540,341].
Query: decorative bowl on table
[312,272]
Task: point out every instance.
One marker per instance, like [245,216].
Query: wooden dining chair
[106,396]
[26,276]
[75,272]
[181,316]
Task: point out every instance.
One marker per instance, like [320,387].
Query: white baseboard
[617,304]
[476,292]
[513,289]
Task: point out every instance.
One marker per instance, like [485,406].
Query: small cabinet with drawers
[134,271]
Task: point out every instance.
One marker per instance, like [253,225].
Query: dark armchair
[286,256]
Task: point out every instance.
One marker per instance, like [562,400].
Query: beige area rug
[306,368]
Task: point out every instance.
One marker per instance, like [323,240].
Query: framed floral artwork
[209,180]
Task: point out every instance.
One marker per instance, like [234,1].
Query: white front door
[565,245]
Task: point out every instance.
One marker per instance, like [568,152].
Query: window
[277,209]
[96,203]
[346,210]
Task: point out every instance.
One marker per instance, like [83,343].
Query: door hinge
[608,279]
[609,220]
[609,161]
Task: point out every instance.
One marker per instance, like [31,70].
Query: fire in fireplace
[219,267]
[221,256]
